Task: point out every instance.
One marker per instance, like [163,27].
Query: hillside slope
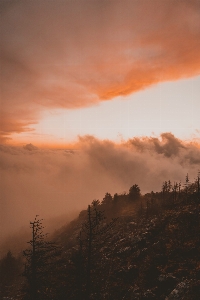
[148,253]
[126,247]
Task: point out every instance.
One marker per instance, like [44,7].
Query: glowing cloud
[70,54]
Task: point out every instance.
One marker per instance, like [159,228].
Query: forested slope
[128,246]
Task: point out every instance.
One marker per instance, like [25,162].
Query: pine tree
[134,192]
[186,186]
[91,236]
[39,258]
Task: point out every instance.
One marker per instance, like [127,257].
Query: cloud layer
[74,54]
[54,182]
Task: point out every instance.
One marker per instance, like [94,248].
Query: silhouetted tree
[115,198]
[134,192]
[93,230]
[95,202]
[107,199]
[186,187]
[198,186]
[39,258]
[175,190]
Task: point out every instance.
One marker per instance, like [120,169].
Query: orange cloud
[74,54]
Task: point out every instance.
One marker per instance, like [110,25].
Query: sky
[165,107]
[95,96]
[106,68]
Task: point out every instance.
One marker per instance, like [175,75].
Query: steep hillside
[127,246]
[144,257]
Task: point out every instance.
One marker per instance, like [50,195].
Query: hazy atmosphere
[95,97]
[54,182]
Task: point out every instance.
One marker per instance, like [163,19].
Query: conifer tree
[39,258]
[93,230]
[134,192]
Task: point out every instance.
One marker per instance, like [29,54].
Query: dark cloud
[70,54]
[30,147]
[168,145]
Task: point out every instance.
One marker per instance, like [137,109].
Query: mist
[59,183]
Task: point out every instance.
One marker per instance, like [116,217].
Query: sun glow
[166,107]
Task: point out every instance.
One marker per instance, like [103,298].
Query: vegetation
[39,264]
[10,269]
[128,246]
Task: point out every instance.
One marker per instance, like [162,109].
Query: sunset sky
[165,107]
[95,96]
[113,69]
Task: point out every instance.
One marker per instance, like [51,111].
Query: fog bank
[51,183]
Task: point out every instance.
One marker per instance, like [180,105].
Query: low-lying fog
[55,183]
